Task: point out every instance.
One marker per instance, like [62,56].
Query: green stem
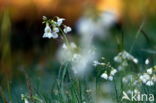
[137,35]
[65,38]
[116,92]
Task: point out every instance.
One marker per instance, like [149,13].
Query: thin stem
[64,37]
[9,92]
[116,91]
[137,35]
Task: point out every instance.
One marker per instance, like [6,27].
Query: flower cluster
[149,78]
[108,72]
[53,27]
[109,76]
[123,58]
[131,81]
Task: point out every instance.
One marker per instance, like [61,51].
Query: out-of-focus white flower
[65,53]
[147,61]
[67,29]
[104,75]
[149,71]
[135,82]
[82,67]
[124,55]
[56,30]
[124,80]
[26,101]
[150,83]
[73,45]
[118,59]
[110,78]
[59,21]
[122,58]
[47,32]
[54,35]
[64,46]
[108,18]
[100,27]
[135,60]
[85,26]
[113,72]
[144,78]
[44,17]
[76,57]
[149,78]
[95,63]
[136,91]
[128,78]
[102,64]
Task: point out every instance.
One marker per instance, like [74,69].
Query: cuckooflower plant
[54,29]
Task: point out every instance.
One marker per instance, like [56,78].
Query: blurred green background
[23,48]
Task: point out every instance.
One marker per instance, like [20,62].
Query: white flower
[147,61]
[146,76]
[95,63]
[136,91]
[54,35]
[149,83]
[113,72]
[124,80]
[56,30]
[135,82]
[143,79]
[124,55]
[102,64]
[67,29]
[104,75]
[73,45]
[26,101]
[118,59]
[149,71]
[135,60]
[64,46]
[44,17]
[47,32]
[59,21]
[110,78]
[76,57]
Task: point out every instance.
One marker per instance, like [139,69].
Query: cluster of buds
[149,78]
[53,27]
[124,55]
[122,58]
[27,99]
